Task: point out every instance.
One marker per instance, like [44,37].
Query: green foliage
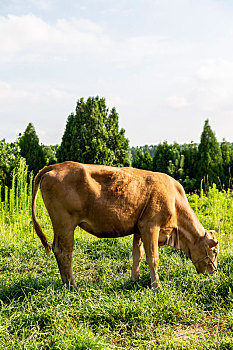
[92,135]
[15,207]
[227,156]
[215,209]
[189,178]
[176,164]
[143,160]
[148,161]
[169,159]
[209,156]
[192,164]
[9,159]
[151,149]
[50,154]
[31,150]
[163,154]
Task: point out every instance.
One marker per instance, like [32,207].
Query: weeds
[107,310]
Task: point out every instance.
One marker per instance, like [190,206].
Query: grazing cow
[115,202]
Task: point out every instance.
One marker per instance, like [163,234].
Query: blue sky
[165,65]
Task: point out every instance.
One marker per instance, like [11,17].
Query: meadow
[107,310]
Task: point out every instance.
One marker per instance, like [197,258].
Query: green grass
[107,310]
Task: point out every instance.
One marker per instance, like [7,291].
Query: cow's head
[205,256]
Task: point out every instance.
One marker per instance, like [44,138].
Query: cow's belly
[109,218]
[107,231]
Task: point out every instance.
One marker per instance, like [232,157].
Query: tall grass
[107,310]
[215,211]
[15,208]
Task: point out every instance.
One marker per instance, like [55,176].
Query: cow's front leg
[138,252]
[150,241]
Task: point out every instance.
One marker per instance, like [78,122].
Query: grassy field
[107,310]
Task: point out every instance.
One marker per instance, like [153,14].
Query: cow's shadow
[141,284]
[25,287]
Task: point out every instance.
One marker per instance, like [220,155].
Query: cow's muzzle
[215,269]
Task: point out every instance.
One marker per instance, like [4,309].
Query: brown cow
[115,202]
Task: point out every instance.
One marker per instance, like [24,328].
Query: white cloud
[215,70]
[29,38]
[45,106]
[214,85]
[41,4]
[19,33]
[134,50]
[32,95]
[14,5]
[177,102]
[29,34]
[60,94]
[8,92]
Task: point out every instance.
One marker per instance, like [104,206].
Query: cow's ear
[211,243]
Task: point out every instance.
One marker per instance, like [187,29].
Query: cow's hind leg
[138,252]
[150,237]
[63,245]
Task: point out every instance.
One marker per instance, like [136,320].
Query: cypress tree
[209,165]
[9,159]
[147,161]
[163,154]
[138,160]
[92,135]
[227,157]
[143,160]
[31,150]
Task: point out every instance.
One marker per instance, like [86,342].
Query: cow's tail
[36,224]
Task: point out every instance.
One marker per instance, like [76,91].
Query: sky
[165,65]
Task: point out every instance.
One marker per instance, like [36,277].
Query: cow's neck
[190,229]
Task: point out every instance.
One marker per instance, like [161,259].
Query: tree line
[92,135]
[193,165]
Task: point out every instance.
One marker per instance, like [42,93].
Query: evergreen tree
[31,150]
[163,154]
[227,156]
[116,140]
[190,152]
[9,159]
[143,161]
[209,157]
[92,135]
[148,161]
[151,149]
[138,160]
[50,154]
[133,151]
[176,164]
